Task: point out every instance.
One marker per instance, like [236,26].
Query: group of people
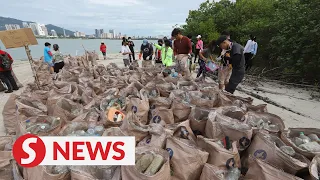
[55,60]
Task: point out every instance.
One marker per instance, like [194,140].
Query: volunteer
[103,49]
[199,47]
[236,59]
[166,53]
[206,55]
[146,51]
[125,50]
[48,56]
[250,50]
[6,72]
[131,46]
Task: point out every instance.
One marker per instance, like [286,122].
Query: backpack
[5,62]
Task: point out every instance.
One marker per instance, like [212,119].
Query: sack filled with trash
[112,110]
[82,128]
[303,140]
[166,88]
[156,137]
[184,132]
[314,168]
[6,157]
[67,110]
[187,86]
[41,125]
[29,107]
[273,150]
[132,127]
[138,106]
[160,102]
[9,115]
[266,121]
[95,172]
[181,106]
[47,172]
[198,120]
[204,100]
[186,159]
[262,170]
[211,172]
[160,115]
[151,163]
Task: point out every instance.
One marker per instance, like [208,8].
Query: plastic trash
[313,137]
[233,174]
[155,165]
[304,138]
[288,150]
[311,146]
[297,141]
[144,162]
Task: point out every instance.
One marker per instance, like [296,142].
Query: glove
[189,55]
[140,55]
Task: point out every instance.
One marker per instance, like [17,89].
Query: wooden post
[32,66]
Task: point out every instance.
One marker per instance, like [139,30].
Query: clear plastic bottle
[288,150]
[184,133]
[304,138]
[233,174]
[313,137]
[44,127]
[99,130]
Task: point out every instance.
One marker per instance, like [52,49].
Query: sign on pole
[18,38]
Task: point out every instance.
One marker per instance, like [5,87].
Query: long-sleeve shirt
[103,48]
[182,46]
[199,45]
[3,53]
[166,54]
[251,47]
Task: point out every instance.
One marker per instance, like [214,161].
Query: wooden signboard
[18,38]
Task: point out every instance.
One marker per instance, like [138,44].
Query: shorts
[126,62]
[182,64]
[224,74]
[104,53]
[49,63]
[58,66]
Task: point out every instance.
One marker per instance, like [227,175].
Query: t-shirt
[47,56]
[57,57]
[182,46]
[125,49]
[237,56]
[147,50]
[131,45]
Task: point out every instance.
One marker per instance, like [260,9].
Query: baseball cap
[199,36]
[221,39]
[145,42]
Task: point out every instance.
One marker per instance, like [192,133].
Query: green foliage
[287,31]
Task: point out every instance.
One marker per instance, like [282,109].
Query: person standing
[6,72]
[131,46]
[182,50]
[166,53]
[236,59]
[103,49]
[125,50]
[146,51]
[250,50]
[205,56]
[48,56]
[57,59]
[199,47]
[157,53]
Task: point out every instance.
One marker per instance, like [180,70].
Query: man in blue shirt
[48,56]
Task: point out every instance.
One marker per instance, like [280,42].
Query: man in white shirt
[250,51]
[125,50]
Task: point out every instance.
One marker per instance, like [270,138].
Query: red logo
[29,150]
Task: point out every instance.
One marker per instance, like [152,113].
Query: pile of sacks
[184,130]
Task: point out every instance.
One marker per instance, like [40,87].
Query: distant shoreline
[92,38]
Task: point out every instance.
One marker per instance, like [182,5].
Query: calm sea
[70,46]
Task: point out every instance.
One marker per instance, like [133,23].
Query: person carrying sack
[6,72]
[146,51]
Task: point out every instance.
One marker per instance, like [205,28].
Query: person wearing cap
[146,51]
[131,46]
[235,56]
[57,59]
[182,50]
[6,73]
[199,47]
[48,56]
[103,49]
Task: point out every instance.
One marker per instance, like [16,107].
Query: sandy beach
[305,108]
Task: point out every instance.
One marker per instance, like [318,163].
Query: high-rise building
[25,25]
[12,26]
[97,33]
[8,27]
[79,34]
[101,32]
[42,30]
[113,33]
[54,33]
[34,27]
[64,33]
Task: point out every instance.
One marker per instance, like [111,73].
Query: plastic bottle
[288,150]
[233,174]
[313,137]
[99,130]
[44,127]
[184,133]
[119,118]
[304,138]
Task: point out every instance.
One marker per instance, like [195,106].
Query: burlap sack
[211,172]
[35,123]
[132,127]
[156,137]
[133,89]
[219,156]
[30,107]
[187,86]
[258,108]
[41,173]
[104,107]
[165,89]
[130,172]
[150,93]
[204,100]
[146,77]
[53,99]
[252,117]
[6,157]
[233,112]
[181,111]
[17,171]
[314,168]
[266,147]
[95,172]
[261,170]
[295,132]
[161,115]
[114,131]
[213,129]
[160,102]
[39,94]
[187,160]
[140,107]
[92,114]
[9,115]
[185,125]
[67,110]
[233,98]
[223,100]
[70,127]
[198,120]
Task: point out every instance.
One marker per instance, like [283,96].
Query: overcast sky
[131,17]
